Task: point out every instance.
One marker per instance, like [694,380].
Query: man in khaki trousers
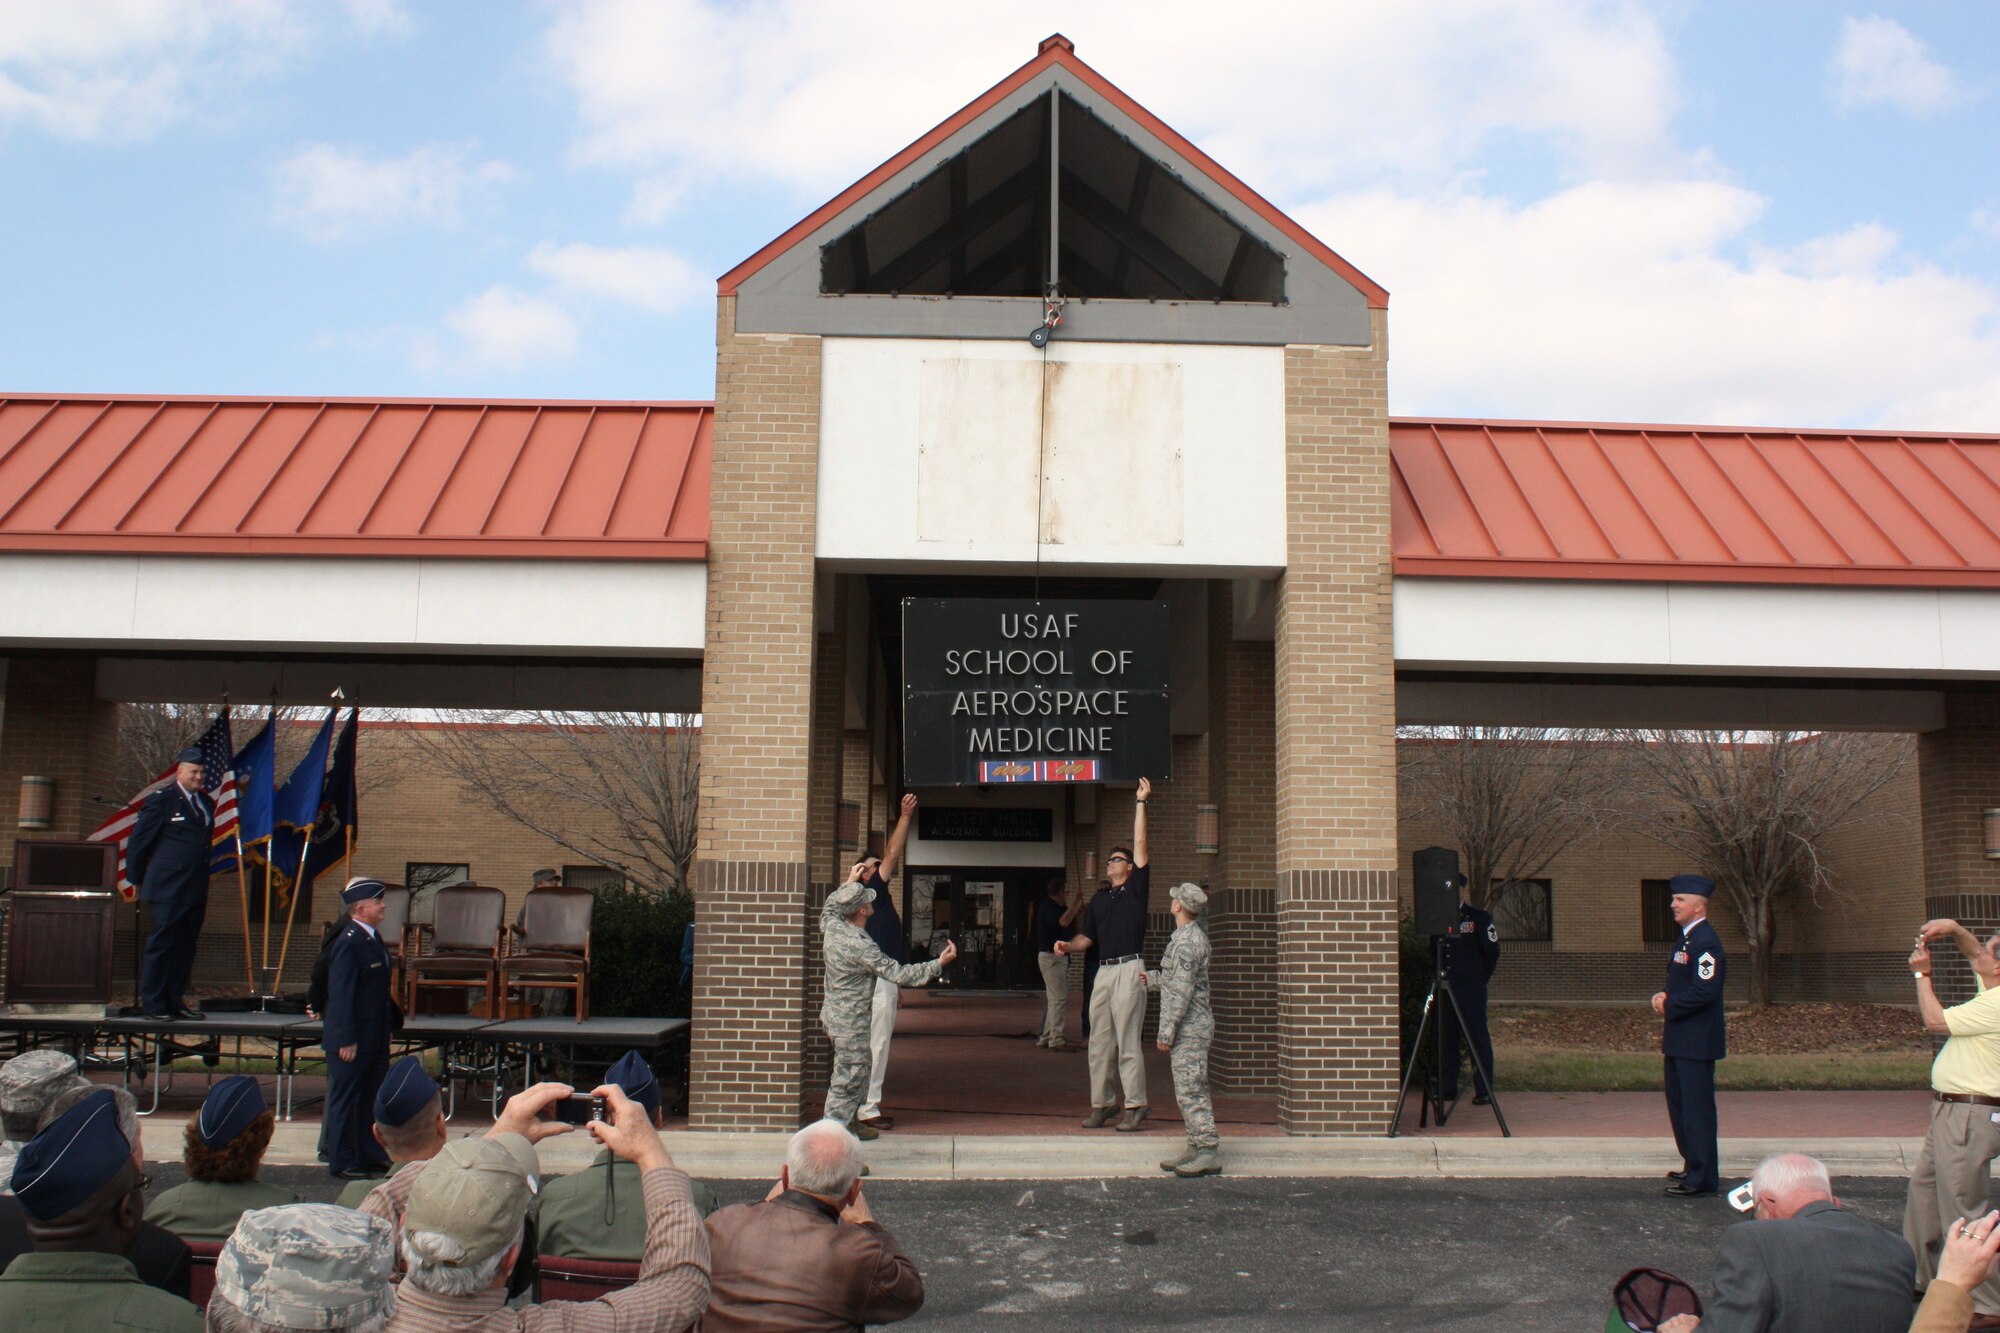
[1953,1175]
[1054,915]
[1115,922]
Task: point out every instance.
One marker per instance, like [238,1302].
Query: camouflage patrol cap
[1193,897]
[850,897]
[30,1081]
[308,1265]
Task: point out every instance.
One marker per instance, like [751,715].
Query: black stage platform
[475,1050]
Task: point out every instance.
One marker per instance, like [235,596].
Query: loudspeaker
[1435,870]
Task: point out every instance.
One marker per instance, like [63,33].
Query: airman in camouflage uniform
[308,1265]
[1187,1025]
[853,961]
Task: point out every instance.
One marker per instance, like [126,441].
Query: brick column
[1958,770]
[1336,748]
[52,724]
[830,656]
[1243,909]
[757,703]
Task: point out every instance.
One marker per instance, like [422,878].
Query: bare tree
[151,734]
[1510,799]
[1753,810]
[618,789]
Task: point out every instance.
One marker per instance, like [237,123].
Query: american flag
[217,759]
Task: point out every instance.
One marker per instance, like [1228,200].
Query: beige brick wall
[757,708]
[1335,748]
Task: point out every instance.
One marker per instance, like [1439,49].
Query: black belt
[1140,958]
[1972,1098]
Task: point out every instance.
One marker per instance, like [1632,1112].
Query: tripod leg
[1410,1071]
[1478,1065]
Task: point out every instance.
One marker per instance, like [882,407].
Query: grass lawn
[1559,1069]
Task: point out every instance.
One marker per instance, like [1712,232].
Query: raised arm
[1139,857]
[1076,902]
[892,851]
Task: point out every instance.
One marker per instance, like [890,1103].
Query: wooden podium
[60,914]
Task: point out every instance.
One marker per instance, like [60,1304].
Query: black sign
[961,823]
[1024,691]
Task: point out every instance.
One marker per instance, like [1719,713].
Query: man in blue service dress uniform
[167,858]
[1470,955]
[360,1015]
[1693,1040]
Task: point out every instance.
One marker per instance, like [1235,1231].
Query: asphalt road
[1279,1254]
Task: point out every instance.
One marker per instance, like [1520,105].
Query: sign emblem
[1705,969]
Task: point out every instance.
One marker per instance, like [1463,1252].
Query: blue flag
[338,826]
[256,768]
[295,810]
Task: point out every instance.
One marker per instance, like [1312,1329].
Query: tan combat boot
[1134,1117]
[1100,1117]
[1186,1155]
[1203,1163]
[863,1132]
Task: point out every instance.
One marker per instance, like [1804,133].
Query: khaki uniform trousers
[1055,988]
[1952,1179]
[1117,1054]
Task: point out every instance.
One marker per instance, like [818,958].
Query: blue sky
[1709,212]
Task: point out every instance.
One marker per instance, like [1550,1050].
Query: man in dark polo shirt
[886,929]
[1115,922]
[1054,915]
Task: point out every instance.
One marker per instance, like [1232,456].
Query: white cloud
[813,95]
[334,193]
[1879,60]
[499,329]
[120,70]
[1627,302]
[649,277]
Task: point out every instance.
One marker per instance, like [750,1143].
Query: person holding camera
[1470,955]
[1694,1038]
[853,962]
[1953,1175]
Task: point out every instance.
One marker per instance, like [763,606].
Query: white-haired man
[853,963]
[810,1256]
[1805,1264]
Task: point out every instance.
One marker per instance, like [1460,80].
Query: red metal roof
[347,476]
[1058,50]
[1581,500]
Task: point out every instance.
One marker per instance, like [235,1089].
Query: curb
[1070,1157]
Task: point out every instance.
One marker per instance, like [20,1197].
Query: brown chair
[582,1279]
[554,950]
[463,948]
[202,1255]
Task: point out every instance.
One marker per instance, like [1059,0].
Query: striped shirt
[670,1295]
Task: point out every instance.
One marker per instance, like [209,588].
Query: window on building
[1656,912]
[425,878]
[592,877]
[1522,909]
[1125,226]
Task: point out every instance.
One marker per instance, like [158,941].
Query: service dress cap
[309,1265]
[1699,885]
[191,755]
[361,888]
[634,1078]
[79,1153]
[231,1107]
[850,897]
[406,1090]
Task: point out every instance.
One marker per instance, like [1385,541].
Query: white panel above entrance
[1134,456]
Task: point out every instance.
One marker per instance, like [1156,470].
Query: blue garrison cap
[77,1155]
[635,1077]
[232,1104]
[405,1091]
[191,755]
[360,889]
[1699,885]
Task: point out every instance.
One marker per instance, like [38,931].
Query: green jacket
[208,1209]
[359,1190]
[572,1215]
[77,1292]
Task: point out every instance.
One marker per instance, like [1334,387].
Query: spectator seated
[305,1266]
[224,1147]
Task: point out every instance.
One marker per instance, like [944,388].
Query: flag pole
[242,880]
[271,845]
[298,883]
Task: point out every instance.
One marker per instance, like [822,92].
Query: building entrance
[989,911]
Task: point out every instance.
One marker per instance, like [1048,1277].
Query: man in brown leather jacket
[810,1257]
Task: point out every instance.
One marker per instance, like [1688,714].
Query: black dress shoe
[1683,1192]
[158,1018]
[189,1015]
[1677,1175]
[1481,1099]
